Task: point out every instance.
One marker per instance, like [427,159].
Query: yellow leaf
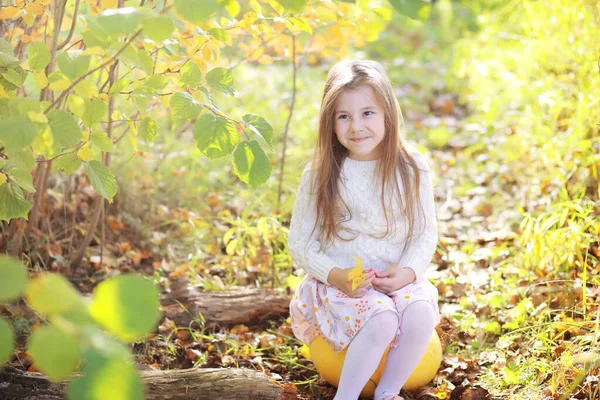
[8,12]
[25,38]
[40,78]
[357,274]
[29,18]
[37,117]
[86,135]
[109,4]
[276,6]
[206,53]
[294,281]
[255,6]
[44,2]
[279,24]
[103,96]
[305,351]
[248,19]
[2,179]
[85,154]
[33,8]
[3,92]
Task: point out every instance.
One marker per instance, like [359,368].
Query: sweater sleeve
[304,248]
[420,252]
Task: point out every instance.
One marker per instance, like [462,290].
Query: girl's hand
[393,278]
[339,278]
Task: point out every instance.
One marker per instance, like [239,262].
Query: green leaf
[196,10]
[42,294]
[221,79]
[7,58]
[14,77]
[21,158]
[415,9]
[102,179]
[54,351]
[251,164]
[147,129]
[295,6]
[95,110]
[190,75]
[232,7]
[72,63]
[158,28]
[39,56]
[146,63]
[107,376]
[215,137]
[128,306]
[13,278]
[92,38]
[65,128]
[301,24]
[7,341]
[101,139]
[23,178]
[69,163]
[261,127]
[219,34]
[128,55]
[17,132]
[25,105]
[12,202]
[156,81]
[120,21]
[183,105]
[118,86]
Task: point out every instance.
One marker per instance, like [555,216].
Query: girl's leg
[416,329]
[364,354]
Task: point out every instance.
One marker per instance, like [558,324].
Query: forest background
[164,139]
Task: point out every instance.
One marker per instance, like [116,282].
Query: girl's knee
[418,318]
[383,325]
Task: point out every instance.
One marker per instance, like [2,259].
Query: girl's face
[359,123]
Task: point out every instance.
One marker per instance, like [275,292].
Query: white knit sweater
[362,193]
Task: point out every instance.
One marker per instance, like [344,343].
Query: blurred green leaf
[128,306]
[7,341]
[13,278]
[54,351]
[52,294]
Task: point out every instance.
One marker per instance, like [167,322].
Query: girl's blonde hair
[327,160]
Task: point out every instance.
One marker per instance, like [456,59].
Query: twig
[287,124]
[82,77]
[70,35]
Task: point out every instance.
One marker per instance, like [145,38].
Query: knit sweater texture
[364,222]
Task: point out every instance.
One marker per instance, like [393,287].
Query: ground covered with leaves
[515,153]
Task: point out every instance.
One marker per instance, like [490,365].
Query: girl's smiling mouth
[360,140]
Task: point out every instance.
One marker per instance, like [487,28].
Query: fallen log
[184,303]
[185,384]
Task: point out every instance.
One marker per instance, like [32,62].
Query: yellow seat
[329,365]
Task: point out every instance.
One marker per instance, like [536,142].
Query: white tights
[366,349]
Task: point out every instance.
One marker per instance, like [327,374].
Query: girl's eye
[344,115]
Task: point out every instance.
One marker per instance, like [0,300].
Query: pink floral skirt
[317,308]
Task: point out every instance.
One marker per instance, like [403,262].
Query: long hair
[329,153]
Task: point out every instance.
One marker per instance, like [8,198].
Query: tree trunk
[240,306]
[197,384]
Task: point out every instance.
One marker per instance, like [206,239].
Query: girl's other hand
[340,278]
[393,278]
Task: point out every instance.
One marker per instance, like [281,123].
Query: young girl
[365,194]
